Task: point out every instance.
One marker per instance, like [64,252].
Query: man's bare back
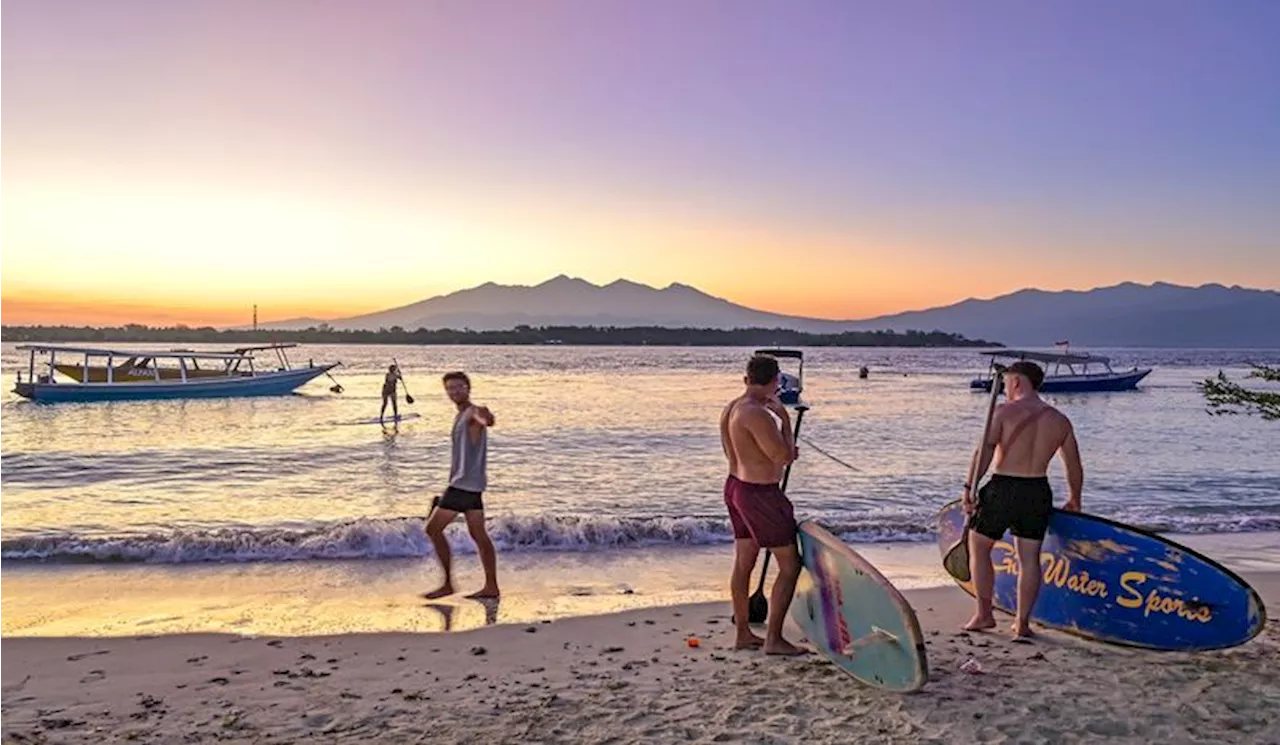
[1028,433]
[752,442]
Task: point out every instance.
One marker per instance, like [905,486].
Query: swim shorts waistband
[1019,479]
[735,480]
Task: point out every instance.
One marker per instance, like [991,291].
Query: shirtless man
[1025,434]
[468,477]
[761,515]
[389,384]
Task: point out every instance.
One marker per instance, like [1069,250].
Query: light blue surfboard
[1114,583]
[855,617]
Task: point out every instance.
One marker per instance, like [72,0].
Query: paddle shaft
[956,560]
[407,397]
[786,476]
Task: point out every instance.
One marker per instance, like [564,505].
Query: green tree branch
[1225,396]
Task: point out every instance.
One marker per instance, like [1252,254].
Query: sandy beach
[630,677]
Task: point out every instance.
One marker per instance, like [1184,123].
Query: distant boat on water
[157,375]
[789,386]
[1077,376]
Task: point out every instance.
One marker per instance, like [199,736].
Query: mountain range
[1127,314]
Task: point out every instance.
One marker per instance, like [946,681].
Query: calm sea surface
[594,449]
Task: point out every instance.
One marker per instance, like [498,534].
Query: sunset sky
[180,161]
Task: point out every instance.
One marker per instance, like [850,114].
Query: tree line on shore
[569,335]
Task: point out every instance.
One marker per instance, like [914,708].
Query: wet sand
[359,596]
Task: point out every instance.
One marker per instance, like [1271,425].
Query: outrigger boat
[136,369]
[1073,380]
[789,386]
[172,375]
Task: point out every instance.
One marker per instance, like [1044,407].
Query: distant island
[568,335]
[1124,315]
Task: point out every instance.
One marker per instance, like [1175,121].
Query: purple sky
[1111,140]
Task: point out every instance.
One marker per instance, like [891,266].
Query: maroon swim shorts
[760,512]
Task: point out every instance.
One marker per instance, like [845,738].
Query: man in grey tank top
[467,482]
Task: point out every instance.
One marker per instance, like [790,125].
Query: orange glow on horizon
[79,311]
[59,309]
[144,247]
[848,290]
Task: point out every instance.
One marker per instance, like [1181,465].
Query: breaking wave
[405,537]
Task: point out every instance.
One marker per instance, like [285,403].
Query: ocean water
[595,449]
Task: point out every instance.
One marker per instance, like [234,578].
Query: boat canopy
[100,352]
[795,354]
[1069,359]
[245,350]
[263,347]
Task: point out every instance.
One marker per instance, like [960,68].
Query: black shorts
[1021,505]
[458,500]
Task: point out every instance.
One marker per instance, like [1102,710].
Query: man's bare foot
[980,622]
[442,591]
[1022,631]
[484,592]
[784,648]
[750,641]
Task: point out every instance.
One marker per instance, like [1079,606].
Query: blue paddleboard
[388,419]
[855,617]
[1118,584]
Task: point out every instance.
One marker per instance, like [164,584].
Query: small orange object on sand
[693,641]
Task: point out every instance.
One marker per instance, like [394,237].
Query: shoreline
[311,598]
[631,677]
[530,336]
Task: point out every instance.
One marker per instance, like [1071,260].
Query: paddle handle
[997,382]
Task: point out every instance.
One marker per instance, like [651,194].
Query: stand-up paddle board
[855,617]
[387,419]
[1118,584]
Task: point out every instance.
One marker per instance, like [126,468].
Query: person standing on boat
[759,449]
[1024,436]
[390,385]
[468,477]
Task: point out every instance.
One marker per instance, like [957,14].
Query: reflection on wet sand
[447,612]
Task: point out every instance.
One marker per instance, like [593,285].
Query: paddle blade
[408,398]
[956,562]
[757,608]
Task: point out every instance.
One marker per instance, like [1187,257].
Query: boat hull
[265,384]
[98,374]
[1101,382]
